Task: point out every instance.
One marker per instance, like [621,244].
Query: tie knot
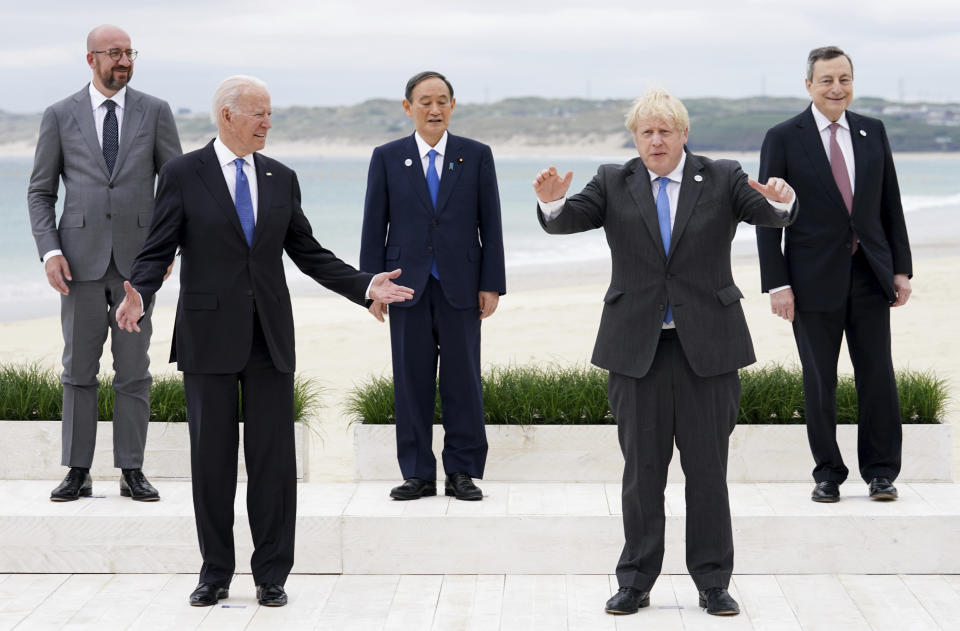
[432,154]
[111,105]
[239,162]
[833,128]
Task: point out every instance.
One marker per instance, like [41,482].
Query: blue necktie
[244,202]
[663,218]
[433,184]
[111,135]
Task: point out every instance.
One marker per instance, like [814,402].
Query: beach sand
[548,316]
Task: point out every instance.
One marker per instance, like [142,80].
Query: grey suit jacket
[696,278]
[103,214]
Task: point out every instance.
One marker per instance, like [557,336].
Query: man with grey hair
[672,334]
[107,143]
[233,212]
[843,265]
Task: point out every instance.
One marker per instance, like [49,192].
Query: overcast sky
[333,52]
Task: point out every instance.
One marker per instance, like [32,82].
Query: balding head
[109,75]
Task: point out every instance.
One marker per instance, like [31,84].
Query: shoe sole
[404,498]
[825,500]
[884,497]
[621,612]
[126,493]
[82,493]
[270,604]
[472,498]
[725,612]
[199,604]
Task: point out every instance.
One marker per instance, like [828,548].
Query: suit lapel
[212,177]
[638,183]
[860,157]
[690,190]
[813,144]
[264,193]
[83,114]
[418,179]
[132,120]
[451,172]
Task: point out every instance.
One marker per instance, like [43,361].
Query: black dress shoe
[271,595]
[826,491]
[460,486]
[882,489]
[78,483]
[208,594]
[627,600]
[413,489]
[134,484]
[718,602]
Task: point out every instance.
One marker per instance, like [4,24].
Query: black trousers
[212,412]
[433,330]
[672,403]
[865,319]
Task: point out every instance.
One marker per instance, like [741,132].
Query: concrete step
[519,528]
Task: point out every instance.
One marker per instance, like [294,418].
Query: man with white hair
[672,333]
[233,212]
[107,143]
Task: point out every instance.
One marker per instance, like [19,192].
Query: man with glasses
[107,143]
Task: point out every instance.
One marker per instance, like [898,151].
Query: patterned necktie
[111,135]
[433,184]
[244,202]
[663,218]
[838,166]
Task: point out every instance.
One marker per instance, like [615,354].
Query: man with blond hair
[672,334]
[107,143]
[233,212]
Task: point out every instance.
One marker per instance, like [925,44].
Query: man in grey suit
[107,142]
[672,333]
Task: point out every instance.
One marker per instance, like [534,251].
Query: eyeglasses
[116,53]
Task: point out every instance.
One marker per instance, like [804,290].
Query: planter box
[30,450]
[570,453]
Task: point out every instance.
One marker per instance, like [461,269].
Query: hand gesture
[782,304]
[383,290]
[549,186]
[377,310]
[775,189]
[130,310]
[58,273]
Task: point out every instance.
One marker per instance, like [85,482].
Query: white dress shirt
[424,149]
[97,99]
[226,157]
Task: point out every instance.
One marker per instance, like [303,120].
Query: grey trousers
[672,403]
[86,314]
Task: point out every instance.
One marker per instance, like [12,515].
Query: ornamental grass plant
[30,392]
[564,395]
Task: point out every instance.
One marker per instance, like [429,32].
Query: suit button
[250,292]
[110,186]
[436,222]
[669,276]
[660,307]
[846,245]
[108,215]
[429,248]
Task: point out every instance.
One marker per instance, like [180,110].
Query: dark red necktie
[838,166]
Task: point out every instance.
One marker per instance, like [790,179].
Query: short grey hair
[658,103]
[229,92]
[825,52]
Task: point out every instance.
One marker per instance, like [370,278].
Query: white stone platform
[519,528]
[158,602]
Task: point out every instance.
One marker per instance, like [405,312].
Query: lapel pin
[697,178]
[863,132]
[451,166]
[268,173]
[460,160]
[407,162]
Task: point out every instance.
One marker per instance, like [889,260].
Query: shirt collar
[226,157]
[97,97]
[674,176]
[823,122]
[424,148]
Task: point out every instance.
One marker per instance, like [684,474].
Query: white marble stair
[519,528]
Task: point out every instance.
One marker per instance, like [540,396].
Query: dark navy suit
[401,228]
